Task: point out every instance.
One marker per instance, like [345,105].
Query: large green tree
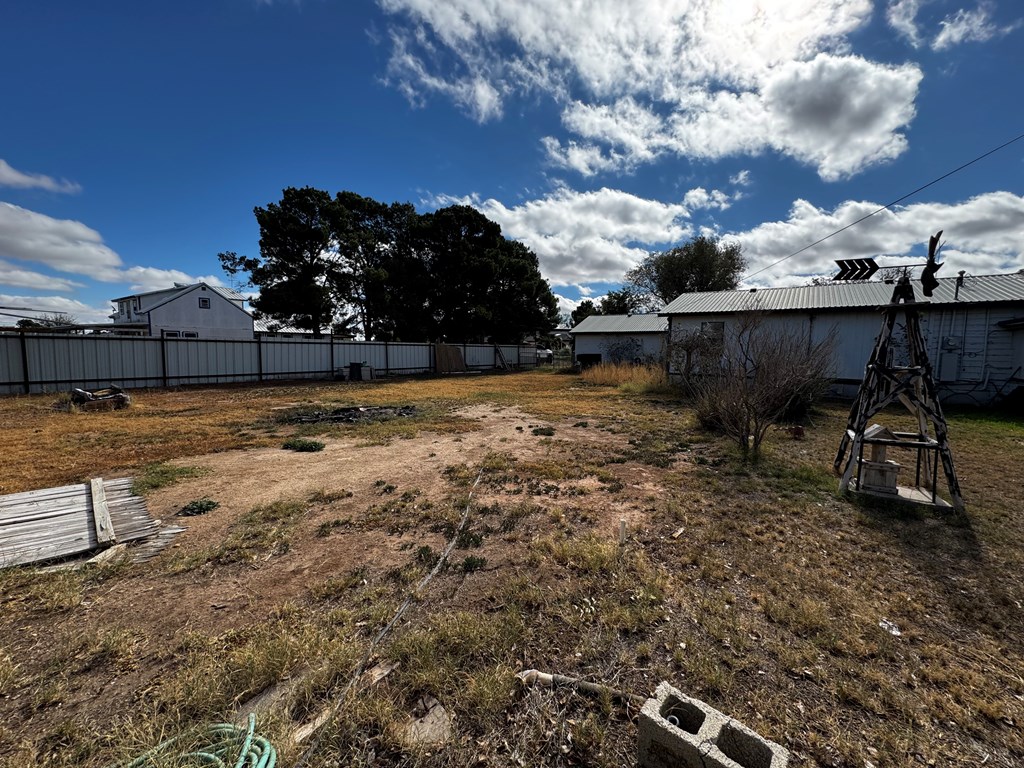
[380,274]
[447,276]
[703,264]
[298,260]
[481,285]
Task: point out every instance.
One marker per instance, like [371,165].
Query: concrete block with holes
[679,732]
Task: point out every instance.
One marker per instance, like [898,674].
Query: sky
[136,138]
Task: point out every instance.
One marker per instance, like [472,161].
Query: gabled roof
[228,293]
[622,324]
[984,289]
[189,289]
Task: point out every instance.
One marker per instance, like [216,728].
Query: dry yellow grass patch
[757,589]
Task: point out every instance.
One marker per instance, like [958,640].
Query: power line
[23,317]
[889,205]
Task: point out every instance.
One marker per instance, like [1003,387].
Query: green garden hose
[222,745]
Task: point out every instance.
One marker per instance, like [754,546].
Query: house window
[171,334]
[713,331]
[189,335]
[204,303]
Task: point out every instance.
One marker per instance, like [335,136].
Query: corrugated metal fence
[32,362]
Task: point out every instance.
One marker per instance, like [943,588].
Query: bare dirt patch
[772,603]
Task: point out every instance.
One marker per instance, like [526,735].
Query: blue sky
[136,138]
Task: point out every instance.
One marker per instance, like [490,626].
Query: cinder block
[676,731]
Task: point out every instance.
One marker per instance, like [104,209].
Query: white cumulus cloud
[902,17]
[46,305]
[11,177]
[982,236]
[70,247]
[637,79]
[16,277]
[595,236]
[62,244]
[969,27]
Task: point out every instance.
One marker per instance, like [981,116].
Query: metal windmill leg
[937,416]
[864,405]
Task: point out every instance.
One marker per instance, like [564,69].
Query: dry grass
[772,603]
[628,377]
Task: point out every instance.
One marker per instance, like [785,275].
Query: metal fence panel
[478,355]
[293,359]
[367,353]
[11,370]
[60,362]
[210,361]
[410,358]
[512,353]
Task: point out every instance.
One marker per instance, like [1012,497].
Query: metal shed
[620,338]
[973,327]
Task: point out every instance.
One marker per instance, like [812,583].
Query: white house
[619,338]
[973,327]
[199,311]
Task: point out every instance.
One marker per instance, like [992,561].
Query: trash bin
[355,371]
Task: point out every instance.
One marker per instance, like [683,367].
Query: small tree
[686,348]
[703,264]
[49,320]
[583,310]
[624,350]
[624,302]
[762,371]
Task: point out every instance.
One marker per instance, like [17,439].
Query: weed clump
[198,507]
[303,445]
[161,475]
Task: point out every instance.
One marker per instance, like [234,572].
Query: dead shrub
[762,371]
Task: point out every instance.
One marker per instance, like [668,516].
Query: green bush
[198,507]
[303,445]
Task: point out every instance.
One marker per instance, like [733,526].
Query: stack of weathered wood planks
[60,522]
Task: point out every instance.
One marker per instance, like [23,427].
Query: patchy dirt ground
[160,606]
[757,589]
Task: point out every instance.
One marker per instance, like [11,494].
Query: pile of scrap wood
[53,523]
[110,399]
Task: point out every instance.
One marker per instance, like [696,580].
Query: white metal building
[973,327]
[619,338]
[199,311]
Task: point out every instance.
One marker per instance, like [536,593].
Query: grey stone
[435,727]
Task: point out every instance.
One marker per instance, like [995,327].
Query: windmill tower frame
[913,386]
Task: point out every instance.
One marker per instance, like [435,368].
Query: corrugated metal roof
[269,325]
[228,293]
[622,324]
[981,289]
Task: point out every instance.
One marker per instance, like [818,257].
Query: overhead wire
[888,205]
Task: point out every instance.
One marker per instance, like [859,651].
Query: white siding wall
[652,345]
[971,356]
[223,320]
